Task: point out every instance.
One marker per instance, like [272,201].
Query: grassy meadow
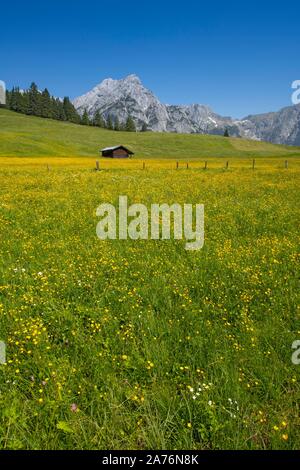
[29,136]
[142,344]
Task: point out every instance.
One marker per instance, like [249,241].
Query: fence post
[177,165]
[253,164]
[205,165]
[187,166]
[286,164]
[97,165]
[227,165]
[144,165]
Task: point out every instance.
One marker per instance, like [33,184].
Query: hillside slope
[28,136]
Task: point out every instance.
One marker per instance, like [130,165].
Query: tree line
[40,103]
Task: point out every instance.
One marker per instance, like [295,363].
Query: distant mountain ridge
[128,96]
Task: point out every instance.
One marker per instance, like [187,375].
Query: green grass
[28,136]
[141,344]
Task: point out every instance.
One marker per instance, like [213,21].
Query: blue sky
[238,57]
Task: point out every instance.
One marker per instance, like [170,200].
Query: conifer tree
[109,123]
[117,124]
[46,108]
[130,125]
[8,98]
[59,106]
[34,103]
[98,119]
[13,99]
[70,111]
[23,102]
[85,118]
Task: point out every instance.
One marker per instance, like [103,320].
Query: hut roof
[106,149]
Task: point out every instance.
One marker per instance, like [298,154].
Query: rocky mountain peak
[128,97]
[133,79]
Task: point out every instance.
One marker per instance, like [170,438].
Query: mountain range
[128,97]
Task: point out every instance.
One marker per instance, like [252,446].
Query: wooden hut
[116,152]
